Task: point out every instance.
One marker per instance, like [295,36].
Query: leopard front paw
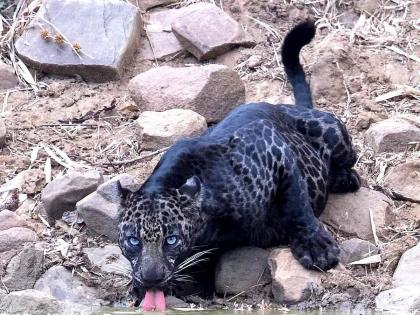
[317,250]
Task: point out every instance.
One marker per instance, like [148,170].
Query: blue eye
[171,240]
[133,241]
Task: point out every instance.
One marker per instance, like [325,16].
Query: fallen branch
[137,159]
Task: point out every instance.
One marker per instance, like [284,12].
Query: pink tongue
[154,300]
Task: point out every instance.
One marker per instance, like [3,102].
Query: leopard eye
[133,241]
[171,240]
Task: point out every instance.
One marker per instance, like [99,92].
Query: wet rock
[100,209]
[63,193]
[108,259]
[30,302]
[24,269]
[349,213]
[404,181]
[62,285]
[148,4]
[211,90]
[9,219]
[8,78]
[3,133]
[14,237]
[401,299]
[199,31]
[104,34]
[161,129]
[356,249]
[408,269]
[292,283]
[391,135]
[242,270]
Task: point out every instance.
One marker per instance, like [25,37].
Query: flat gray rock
[206,31]
[8,78]
[30,302]
[105,33]
[408,269]
[109,259]
[404,181]
[14,237]
[400,300]
[356,249]
[211,91]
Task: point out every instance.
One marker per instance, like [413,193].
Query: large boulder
[161,129]
[242,270]
[9,219]
[350,213]
[291,283]
[30,302]
[392,135]
[96,43]
[62,194]
[24,269]
[108,259]
[206,31]
[356,249]
[408,269]
[211,90]
[404,181]
[14,237]
[8,78]
[100,209]
[404,299]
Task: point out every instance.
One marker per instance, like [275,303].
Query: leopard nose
[152,273]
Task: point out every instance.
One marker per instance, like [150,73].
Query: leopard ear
[122,192]
[192,187]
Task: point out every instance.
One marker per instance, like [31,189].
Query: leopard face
[157,231]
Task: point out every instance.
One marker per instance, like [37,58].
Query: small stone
[161,129]
[254,61]
[391,135]
[3,133]
[27,207]
[242,270]
[356,249]
[63,193]
[24,269]
[100,209]
[14,237]
[108,259]
[105,35]
[211,90]
[292,283]
[145,5]
[367,6]
[33,181]
[408,269]
[349,213]
[400,299]
[62,285]
[207,32]
[8,79]
[404,181]
[9,219]
[365,119]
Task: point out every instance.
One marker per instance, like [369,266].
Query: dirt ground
[363,50]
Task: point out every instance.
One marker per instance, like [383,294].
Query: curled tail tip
[299,36]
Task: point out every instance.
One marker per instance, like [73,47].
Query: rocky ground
[98,95]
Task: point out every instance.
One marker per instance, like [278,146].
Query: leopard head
[157,230]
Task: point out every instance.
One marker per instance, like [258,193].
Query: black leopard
[260,177]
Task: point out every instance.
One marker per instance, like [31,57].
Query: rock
[24,269]
[242,270]
[391,135]
[9,219]
[292,283]
[14,237]
[161,129]
[211,90]
[199,31]
[8,78]
[408,269]
[401,299]
[106,33]
[27,207]
[108,259]
[30,302]
[33,181]
[100,209]
[367,6]
[349,213]
[356,249]
[63,193]
[62,285]
[365,119]
[3,133]
[254,61]
[148,4]
[404,181]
